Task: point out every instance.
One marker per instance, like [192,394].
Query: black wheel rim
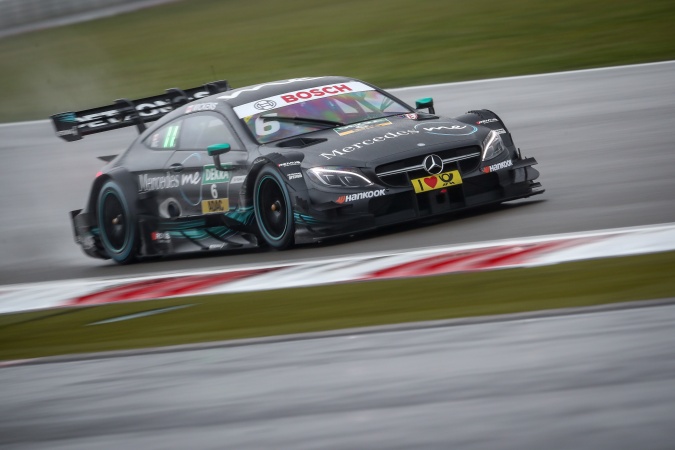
[272,207]
[114,221]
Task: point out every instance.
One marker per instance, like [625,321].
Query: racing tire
[116,221]
[273,210]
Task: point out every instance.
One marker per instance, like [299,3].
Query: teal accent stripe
[307,219]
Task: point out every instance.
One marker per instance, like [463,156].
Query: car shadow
[419,224]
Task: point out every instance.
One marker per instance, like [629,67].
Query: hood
[375,142]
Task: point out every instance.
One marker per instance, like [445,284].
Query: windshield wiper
[296,119]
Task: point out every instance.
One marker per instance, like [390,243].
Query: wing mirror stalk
[215,151]
[426,102]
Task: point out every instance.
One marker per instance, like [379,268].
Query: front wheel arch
[273,208]
[490,120]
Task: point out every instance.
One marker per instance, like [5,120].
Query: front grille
[399,173]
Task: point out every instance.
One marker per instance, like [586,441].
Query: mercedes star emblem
[433,164]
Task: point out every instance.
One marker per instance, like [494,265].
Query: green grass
[389,42]
[270,313]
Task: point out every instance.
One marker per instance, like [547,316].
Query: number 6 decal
[266,127]
[214,191]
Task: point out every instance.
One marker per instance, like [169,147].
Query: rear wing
[73,126]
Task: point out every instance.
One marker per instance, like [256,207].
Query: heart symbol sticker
[431,181]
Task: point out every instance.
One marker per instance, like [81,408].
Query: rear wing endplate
[73,126]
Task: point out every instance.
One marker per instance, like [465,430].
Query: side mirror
[426,102]
[215,151]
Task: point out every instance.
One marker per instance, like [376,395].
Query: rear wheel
[273,211]
[117,225]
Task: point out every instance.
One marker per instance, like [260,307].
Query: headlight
[493,146]
[338,177]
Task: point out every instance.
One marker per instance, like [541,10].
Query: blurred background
[84,53]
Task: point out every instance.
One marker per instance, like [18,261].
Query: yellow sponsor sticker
[218,205]
[440,181]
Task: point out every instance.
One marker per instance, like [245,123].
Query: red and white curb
[523,252]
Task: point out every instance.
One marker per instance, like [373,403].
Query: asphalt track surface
[598,381]
[590,381]
[603,139]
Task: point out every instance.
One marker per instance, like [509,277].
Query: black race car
[291,161]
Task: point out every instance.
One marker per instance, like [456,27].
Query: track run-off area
[596,380]
[522,252]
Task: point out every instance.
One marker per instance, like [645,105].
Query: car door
[203,188]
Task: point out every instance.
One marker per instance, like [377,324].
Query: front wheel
[117,224]
[273,211]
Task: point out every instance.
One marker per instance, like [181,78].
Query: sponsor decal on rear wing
[73,126]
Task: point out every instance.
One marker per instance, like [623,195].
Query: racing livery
[284,162]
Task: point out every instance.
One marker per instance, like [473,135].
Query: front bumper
[327,218]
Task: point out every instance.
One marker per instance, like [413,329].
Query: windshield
[332,106]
